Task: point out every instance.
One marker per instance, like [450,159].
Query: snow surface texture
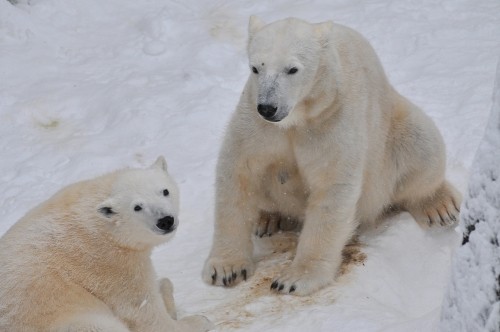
[90,86]
[472,302]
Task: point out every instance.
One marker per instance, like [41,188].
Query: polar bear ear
[323,31]
[106,208]
[254,25]
[160,163]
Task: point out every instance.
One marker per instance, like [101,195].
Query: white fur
[81,260]
[342,148]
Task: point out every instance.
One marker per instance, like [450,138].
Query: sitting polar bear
[81,260]
[320,136]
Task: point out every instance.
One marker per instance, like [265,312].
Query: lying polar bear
[320,135]
[81,260]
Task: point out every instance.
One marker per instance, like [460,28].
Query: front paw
[227,272]
[301,280]
[196,323]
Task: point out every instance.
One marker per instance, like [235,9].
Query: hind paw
[268,224]
[444,215]
[442,209]
[273,222]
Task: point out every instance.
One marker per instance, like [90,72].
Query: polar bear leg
[167,293]
[440,207]
[91,322]
[195,323]
[421,159]
[330,222]
[230,260]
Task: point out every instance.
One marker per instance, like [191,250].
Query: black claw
[280,288]
[214,277]
[234,275]
[244,274]
[274,285]
[224,281]
[443,220]
[292,289]
[449,216]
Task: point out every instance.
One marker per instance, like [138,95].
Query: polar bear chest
[280,186]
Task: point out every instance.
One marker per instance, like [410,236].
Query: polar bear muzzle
[166,224]
[267,111]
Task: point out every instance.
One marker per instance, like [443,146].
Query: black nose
[267,111]
[166,224]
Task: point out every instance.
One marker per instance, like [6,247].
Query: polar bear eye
[137,208]
[255,71]
[165,192]
[107,211]
[292,70]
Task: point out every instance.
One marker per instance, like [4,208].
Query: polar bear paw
[441,209]
[227,272]
[273,222]
[196,323]
[302,280]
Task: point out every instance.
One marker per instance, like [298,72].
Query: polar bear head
[284,58]
[142,209]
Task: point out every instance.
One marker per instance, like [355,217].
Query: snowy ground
[90,86]
[473,293]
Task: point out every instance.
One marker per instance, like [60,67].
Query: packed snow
[91,86]
[472,302]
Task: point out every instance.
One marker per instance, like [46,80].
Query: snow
[90,86]
[472,302]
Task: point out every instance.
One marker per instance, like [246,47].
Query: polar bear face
[284,58]
[142,210]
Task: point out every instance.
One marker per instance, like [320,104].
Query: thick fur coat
[320,135]
[81,260]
